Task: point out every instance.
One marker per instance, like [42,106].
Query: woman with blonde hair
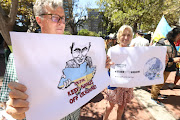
[119,96]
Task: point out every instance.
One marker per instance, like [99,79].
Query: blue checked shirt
[11,76]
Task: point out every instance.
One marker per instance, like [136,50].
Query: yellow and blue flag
[161,30]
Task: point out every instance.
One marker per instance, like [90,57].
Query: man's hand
[17,104]
[108,62]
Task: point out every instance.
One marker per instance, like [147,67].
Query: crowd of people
[51,18]
[173,59]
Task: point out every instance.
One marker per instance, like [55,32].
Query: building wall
[95,20]
[84,26]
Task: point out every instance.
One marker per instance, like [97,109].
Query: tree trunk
[5,32]
[7,21]
[135,27]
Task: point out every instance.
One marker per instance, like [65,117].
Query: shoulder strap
[161,42]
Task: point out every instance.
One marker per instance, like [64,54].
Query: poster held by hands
[61,72]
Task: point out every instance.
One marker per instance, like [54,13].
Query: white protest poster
[137,66]
[61,72]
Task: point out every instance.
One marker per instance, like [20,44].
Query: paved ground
[141,107]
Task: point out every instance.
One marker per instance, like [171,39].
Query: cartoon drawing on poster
[152,68]
[79,70]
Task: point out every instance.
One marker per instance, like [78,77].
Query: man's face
[79,52]
[110,42]
[114,41]
[49,26]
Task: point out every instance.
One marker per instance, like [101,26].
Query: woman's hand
[17,104]
[108,62]
[176,59]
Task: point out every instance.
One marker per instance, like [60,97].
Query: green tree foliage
[25,8]
[25,13]
[172,13]
[67,33]
[140,14]
[86,32]
[14,12]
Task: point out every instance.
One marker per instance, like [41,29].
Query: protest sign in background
[137,66]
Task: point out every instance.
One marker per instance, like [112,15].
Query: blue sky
[92,3]
[86,3]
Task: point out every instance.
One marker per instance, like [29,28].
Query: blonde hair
[122,29]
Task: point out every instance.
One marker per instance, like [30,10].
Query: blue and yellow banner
[161,30]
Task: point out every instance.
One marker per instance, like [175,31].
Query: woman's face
[125,38]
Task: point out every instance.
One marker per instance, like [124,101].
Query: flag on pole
[161,30]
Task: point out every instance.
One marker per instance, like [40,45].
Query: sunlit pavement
[141,107]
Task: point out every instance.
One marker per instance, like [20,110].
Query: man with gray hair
[51,18]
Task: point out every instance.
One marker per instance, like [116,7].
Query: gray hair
[39,6]
[121,30]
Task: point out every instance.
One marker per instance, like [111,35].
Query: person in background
[120,96]
[177,77]
[139,40]
[171,37]
[110,41]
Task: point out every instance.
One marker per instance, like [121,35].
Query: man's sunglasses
[56,18]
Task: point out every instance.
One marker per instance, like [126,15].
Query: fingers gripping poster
[61,72]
